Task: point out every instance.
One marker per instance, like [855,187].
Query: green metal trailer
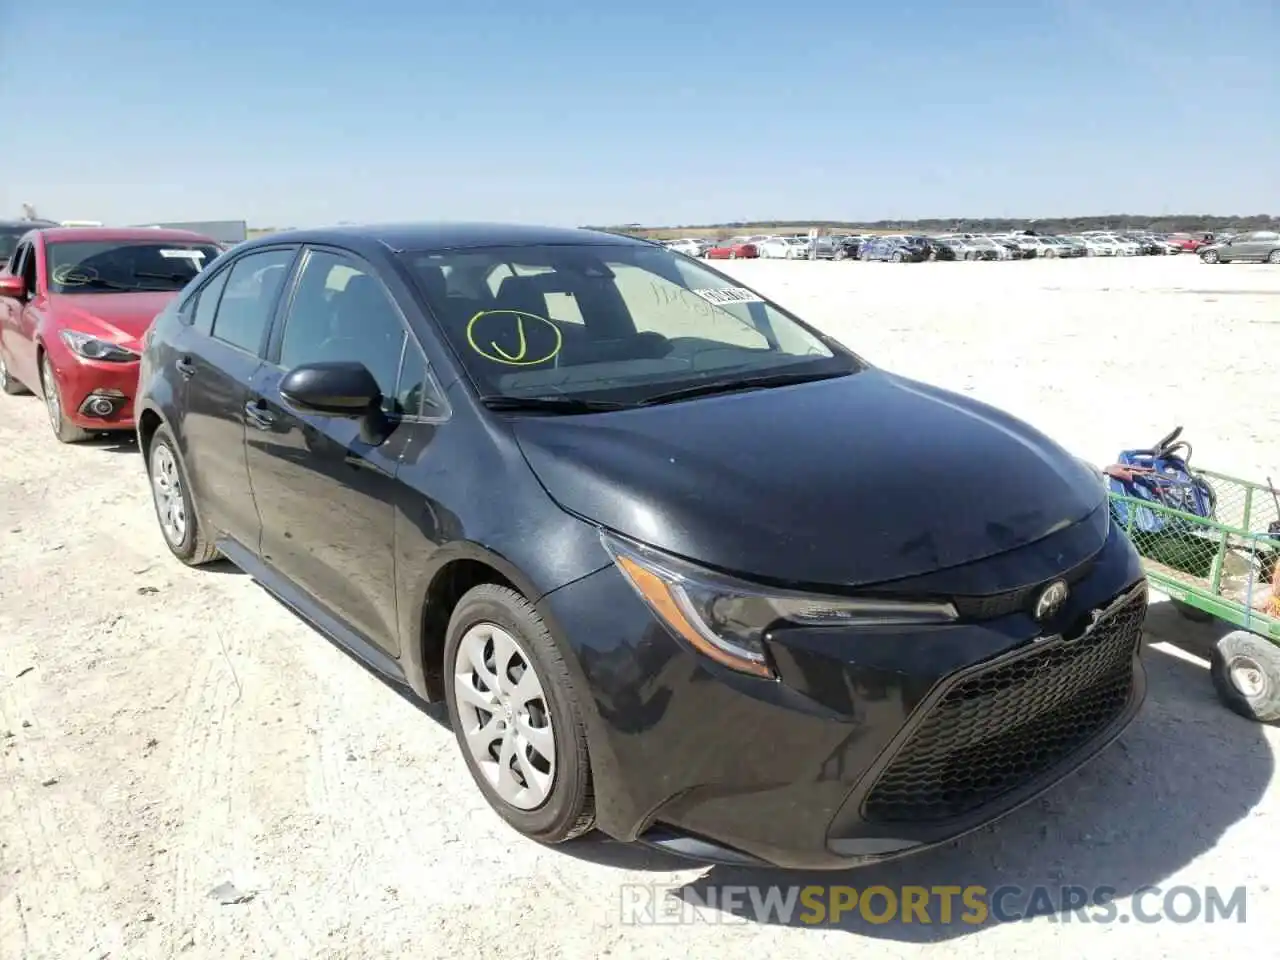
[1223,567]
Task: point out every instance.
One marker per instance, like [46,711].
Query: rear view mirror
[332,389]
[11,286]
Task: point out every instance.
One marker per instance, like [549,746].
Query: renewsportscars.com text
[815,905]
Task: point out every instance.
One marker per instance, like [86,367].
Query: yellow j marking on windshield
[514,324]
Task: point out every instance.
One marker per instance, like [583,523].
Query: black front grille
[1001,728]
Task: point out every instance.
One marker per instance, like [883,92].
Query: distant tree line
[1172,223]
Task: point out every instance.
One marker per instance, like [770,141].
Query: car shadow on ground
[1164,794]
[119,442]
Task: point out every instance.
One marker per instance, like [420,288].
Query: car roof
[29,224]
[422,237]
[65,234]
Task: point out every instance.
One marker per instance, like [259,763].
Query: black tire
[63,429]
[1261,658]
[1273,257]
[897,256]
[1195,614]
[195,548]
[1210,256]
[569,809]
[9,386]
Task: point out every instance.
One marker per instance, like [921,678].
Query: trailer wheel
[1195,614]
[1246,673]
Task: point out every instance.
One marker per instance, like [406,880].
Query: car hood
[845,482]
[115,317]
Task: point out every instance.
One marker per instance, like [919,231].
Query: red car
[729,250]
[74,304]
[1188,242]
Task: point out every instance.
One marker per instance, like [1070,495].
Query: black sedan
[893,249]
[606,503]
[11,231]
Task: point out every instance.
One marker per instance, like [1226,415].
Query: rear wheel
[1209,256]
[8,385]
[897,256]
[1274,257]
[1246,674]
[63,429]
[516,716]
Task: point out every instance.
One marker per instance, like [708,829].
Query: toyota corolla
[683,568]
[74,302]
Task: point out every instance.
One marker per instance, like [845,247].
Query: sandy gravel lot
[171,740]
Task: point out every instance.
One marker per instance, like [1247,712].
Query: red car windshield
[125,266]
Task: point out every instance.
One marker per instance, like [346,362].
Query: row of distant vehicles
[916,248]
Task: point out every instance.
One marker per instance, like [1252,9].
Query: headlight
[91,348]
[727,620]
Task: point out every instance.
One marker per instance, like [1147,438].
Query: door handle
[257,414]
[186,367]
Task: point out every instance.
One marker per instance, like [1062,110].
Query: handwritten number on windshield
[518,319]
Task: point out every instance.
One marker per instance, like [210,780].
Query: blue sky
[289,113]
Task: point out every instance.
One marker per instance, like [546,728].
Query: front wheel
[63,429]
[897,256]
[733,255]
[1209,256]
[1246,674]
[516,716]
[1274,257]
[175,508]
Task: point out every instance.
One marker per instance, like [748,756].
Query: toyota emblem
[1050,600]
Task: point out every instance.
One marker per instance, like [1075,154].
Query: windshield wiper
[743,383]
[551,404]
[97,282]
[175,277]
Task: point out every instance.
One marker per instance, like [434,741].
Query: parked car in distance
[1262,246]
[966,249]
[688,246]
[1069,247]
[1016,248]
[391,446]
[998,251]
[1098,246]
[1187,242]
[11,231]
[782,248]
[74,304]
[892,250]
[735,249]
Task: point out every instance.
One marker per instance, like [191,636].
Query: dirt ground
[188,770]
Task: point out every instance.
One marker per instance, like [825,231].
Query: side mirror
[11,286]
[332,389]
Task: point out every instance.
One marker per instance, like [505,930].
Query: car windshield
[125,266]
[609,322]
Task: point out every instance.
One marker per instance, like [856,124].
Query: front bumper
[869,746]
[97,395]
